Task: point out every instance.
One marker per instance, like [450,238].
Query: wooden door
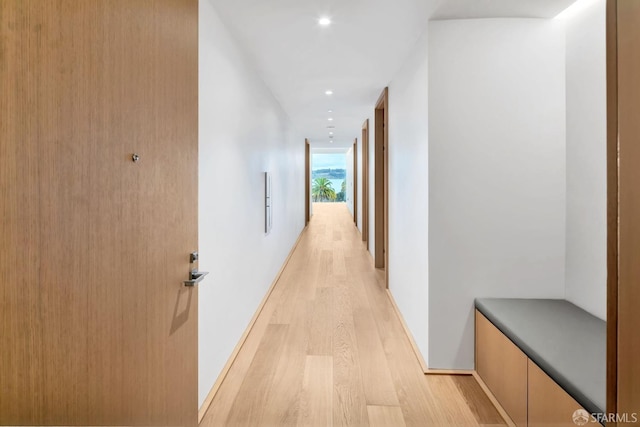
[624,152]
[97,327]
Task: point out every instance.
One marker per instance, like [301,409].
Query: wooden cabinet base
[503,368]
[526,393]
[549,404]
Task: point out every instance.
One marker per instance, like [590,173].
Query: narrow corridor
[328,349]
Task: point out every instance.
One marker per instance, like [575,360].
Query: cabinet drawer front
[549,404]
[503,368]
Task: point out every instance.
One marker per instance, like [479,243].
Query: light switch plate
[268,214]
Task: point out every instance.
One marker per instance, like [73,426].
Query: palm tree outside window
[322,190]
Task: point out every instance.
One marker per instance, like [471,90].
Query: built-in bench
[531,352]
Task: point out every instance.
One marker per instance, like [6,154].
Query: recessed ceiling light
[330,111]
[330,133]
[330,119]
[329,92]
[324,21]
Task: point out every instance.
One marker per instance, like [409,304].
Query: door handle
[195,277]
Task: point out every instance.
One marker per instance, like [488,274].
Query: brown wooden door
[96,325]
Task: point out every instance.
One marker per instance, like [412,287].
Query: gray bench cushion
[566,342]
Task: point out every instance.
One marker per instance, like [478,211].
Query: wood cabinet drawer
[503,368]
[549,404]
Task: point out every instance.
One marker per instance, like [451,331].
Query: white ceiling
[466,9]
[356,56]
[329,150]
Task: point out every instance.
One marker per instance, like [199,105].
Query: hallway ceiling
[468,9]
[355,57]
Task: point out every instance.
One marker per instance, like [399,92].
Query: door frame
[382,183]
[623,198]
[355,182]
[612,207]
[307,182]
[365,183]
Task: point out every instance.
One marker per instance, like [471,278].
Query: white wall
[586,263]
[349,185]
[243,133]
[409,192]
[496,172]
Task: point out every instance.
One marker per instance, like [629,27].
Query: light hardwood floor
[329,350]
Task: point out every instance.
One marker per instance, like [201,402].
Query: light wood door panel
[628,15]
[503,368]
[97,327]
[549,404]
[20,304]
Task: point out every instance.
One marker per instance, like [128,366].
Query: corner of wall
[586,119]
